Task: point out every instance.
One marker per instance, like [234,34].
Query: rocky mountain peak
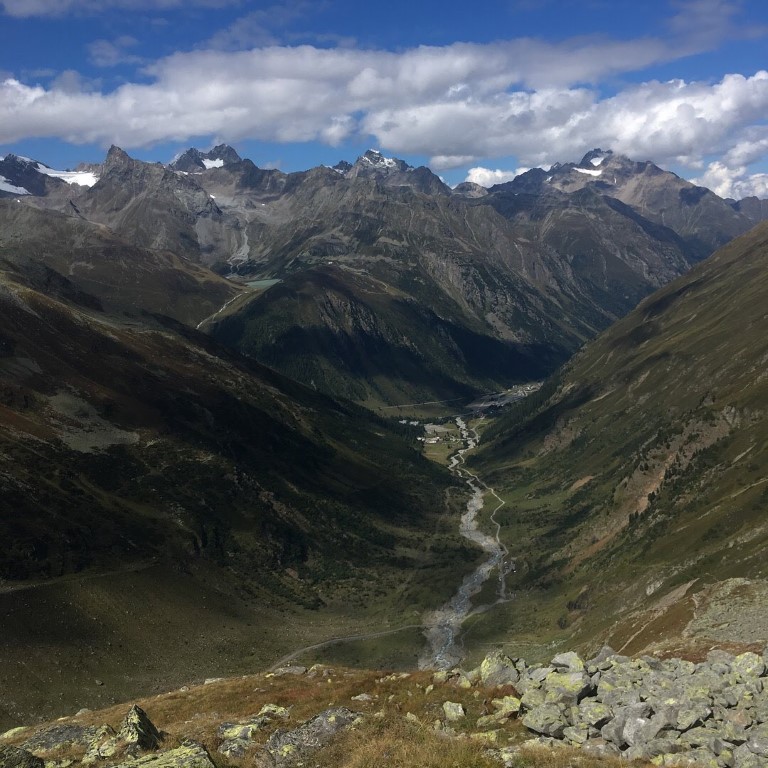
[343,167]
[21,176]
[470,189]
[595,158]
[12,160]
[195,161]
[223,152]
[373,159]
[116,157]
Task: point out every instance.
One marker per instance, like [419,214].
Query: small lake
[262,284]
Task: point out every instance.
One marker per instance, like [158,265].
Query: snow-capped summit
[24,176]
[374,159]
[595,157]
[195,161]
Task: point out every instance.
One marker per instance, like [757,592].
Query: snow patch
[83,178]
[6,186]
[589,171]
[379,160]
[212,163]
[597,160]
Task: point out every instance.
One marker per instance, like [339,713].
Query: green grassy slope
[268,504]
[643,466]
[357,337]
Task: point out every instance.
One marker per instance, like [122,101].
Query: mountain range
[375,259]
[181,348]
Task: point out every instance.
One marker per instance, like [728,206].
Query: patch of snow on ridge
[589,171]
[597,160]
[212,163]
[387,162]
[83,178]
[6,186]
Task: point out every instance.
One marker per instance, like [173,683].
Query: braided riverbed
[443,626]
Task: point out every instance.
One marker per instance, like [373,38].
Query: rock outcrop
[13,757]
[668,711]
[289,747]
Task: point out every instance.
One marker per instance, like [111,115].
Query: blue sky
[475,91]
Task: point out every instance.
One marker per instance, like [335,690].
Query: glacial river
[443,626]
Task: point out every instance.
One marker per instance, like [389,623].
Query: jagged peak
[343,167]
[18,159]
[373,158]
[195,161]
[595,157]
[117,156]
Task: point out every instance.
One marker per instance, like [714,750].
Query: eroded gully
[443,626]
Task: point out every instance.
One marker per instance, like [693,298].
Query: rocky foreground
[663,711]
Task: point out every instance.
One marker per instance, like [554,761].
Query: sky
[476,91]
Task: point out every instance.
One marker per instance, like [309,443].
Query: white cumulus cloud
[486,177]
[458,104]
[27,8]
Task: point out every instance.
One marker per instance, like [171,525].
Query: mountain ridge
[637,472]
[545,261]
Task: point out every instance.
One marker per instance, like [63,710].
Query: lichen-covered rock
[690,717]
[547,719]
[137,733]
[498,669]
[507,705]
[62,737]
[743,757]
[453,711]
[236,747]
[566,687]
[570,661]
[748,666]
[13,757]
[641,730]
[757,741]
[576,734]
[93,753]
[287,747]
[594,713]
[189,755]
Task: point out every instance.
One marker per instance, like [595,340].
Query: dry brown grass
[535,756]
[397,730]
[402,744]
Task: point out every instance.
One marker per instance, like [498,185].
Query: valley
[359,418]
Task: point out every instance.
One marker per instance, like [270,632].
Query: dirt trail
[75,577]
[283,660]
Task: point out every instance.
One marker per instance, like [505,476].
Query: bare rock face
[195,161]
[64,736]
[189,755]
[238,738]
[13,757]
[137,734]
[292,747]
